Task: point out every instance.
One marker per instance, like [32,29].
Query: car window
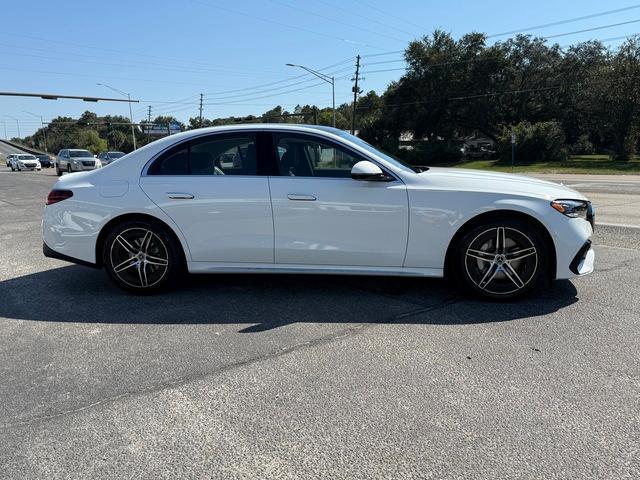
[81,154]
[224,155]
[114,155]
[230,154]
[175,161]
[306,156]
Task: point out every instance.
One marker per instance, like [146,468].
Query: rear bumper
[49,252]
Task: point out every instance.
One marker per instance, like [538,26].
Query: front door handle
[301,198]
[179,196]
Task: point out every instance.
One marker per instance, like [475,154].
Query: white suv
[24,162]
[75,160]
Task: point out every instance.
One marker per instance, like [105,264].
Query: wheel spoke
[128,263]
[481,255]
[157,261]
[520,254]
[126,245]
[489,276]
[146,241]
[142,273]
[501,240]
[511,273]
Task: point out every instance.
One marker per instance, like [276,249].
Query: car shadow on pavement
[262,301]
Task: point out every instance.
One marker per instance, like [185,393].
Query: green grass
[593,164]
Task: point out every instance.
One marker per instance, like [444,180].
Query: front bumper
[583,262]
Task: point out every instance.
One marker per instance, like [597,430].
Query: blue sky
[234,51]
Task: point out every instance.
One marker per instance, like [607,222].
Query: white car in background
[306,199]
[75,160]
[24,161]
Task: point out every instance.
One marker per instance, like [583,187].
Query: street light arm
[321,76]
[114,89]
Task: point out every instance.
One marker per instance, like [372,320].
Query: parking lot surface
[265,376]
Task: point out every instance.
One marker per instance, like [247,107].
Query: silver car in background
[107,157]
[24,161]
[75,160]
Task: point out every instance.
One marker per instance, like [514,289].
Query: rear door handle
[301,198]
[180,196]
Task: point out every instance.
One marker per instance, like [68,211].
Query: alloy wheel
[138,257]
[501,260]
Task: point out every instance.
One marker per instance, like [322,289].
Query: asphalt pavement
[266,376]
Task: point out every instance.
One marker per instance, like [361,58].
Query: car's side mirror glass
[369,171]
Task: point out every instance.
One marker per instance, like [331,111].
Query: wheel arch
[502,215]
[128,217]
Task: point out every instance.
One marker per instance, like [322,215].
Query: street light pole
[44,129]
[17,123]
[325,78]
[133,133]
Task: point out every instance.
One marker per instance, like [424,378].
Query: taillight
[56,196]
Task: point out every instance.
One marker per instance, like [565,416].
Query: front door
[324,217]
[213,189]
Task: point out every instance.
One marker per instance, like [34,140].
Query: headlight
[572,208]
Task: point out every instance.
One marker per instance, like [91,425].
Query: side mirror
[368,171]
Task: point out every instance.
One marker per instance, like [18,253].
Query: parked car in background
[8,159]
[45,161]
[310,199]
[107,157]
[24,161]
[75,160]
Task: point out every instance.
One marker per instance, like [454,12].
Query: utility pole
[149,125]
[356,91]
[315,115]
[200,122]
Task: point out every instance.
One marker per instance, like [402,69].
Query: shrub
[538,142]
[583,146]
[430,153]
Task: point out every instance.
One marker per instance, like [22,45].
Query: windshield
[376,151]
[115,154]
[26,157]
[80,154]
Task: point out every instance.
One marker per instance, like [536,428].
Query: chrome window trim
[145,169]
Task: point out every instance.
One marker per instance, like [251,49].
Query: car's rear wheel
[501,259]
[142,257]
[69,168]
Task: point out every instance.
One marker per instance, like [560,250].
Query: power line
[369,19]
[387,14]
[563,22]
[282,24]
[593,29]
[339,22]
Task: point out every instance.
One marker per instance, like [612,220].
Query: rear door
[214,189]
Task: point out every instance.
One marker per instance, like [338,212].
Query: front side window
[305,156]
[222,154]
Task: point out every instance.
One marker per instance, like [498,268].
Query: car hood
[476,180]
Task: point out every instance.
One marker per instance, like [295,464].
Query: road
[311,377]
[616,197]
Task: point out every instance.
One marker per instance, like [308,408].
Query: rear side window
[222,154]
[175,161]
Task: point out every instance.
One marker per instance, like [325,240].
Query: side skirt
[218,267]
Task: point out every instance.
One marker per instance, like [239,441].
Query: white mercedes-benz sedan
[307,199]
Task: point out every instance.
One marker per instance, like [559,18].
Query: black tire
[131,260]
[12,169]
[58,171]
[501,259]
[69,168]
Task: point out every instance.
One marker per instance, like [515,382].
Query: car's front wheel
[501,259]
[142,257]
